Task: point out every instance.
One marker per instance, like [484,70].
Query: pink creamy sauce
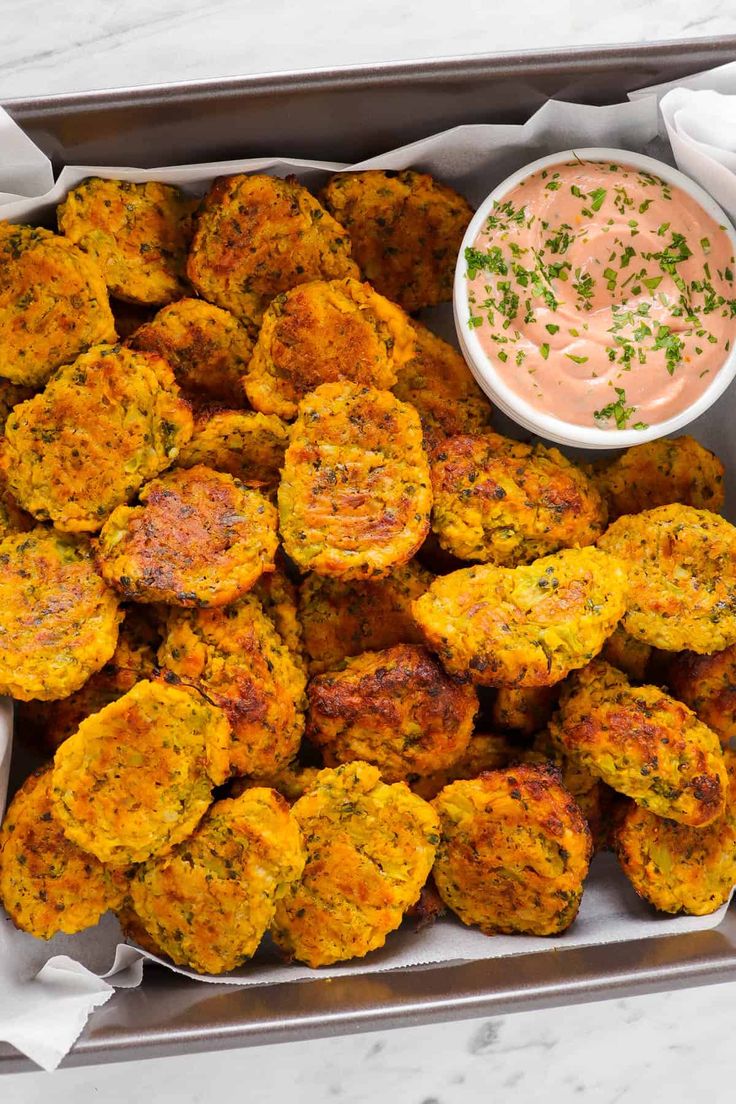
[603,295]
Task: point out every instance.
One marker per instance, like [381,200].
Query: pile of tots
[311,645]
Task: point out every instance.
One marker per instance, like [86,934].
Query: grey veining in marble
[79,44]
[673,1048]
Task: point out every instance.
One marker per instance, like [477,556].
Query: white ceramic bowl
[482,366]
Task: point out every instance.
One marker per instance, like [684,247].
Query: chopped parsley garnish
[505,214]
[672,345]
[584,286]
[619,411]
[597,198]
[490,261]
[652,282]
[676,252]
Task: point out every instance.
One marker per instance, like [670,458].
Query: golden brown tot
[138,234]
[53,304]
[707,683]
[526,626]
[47,884]
[199,538]
[370,849]
[102,427]
[659,473]
[58,620]
[677,868]
[405,228]
[439,385]
[242,443]
[354,498]
[136,778]
[208,904]
[505,502]
[344,618]
[134,658]
[682,572]
[240,663]
[642,743]
[208,349]
[323,332]
[397,709]
[257,236]
[514,851]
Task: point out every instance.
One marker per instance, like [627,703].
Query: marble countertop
[81,44]
[670,1047]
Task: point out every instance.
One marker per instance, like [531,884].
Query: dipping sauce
[603,295]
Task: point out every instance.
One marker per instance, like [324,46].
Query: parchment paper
[47,990]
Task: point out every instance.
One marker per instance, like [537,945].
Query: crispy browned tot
[439,384]
[48,724]
[642,743]
[198,538]
[397,709]
[370,849]
[58,620]
[354,497]
[53,304]
[682,573]
[138,234]
[677,868]
[208,904]
[208,349]
[405,228]
[102,427]
[241,664]
[322,332]
[259,235]
[245,444]
[659,473]
[505,502]
[344,618]
[525,626]
[707,683]
[136,778]
[514,851]
[48,884]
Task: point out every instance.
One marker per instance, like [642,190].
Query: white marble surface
[672,1047]
[67,45]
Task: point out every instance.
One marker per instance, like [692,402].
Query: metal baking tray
[350,114]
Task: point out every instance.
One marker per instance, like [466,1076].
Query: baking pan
[350,114]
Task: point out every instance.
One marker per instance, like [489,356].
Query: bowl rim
[482,366]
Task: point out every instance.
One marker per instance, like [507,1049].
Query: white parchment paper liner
[47,990]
